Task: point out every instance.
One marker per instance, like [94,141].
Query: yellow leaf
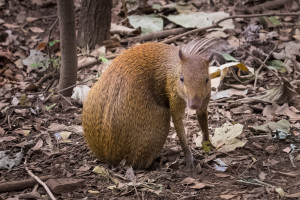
[93,191]
[242,67]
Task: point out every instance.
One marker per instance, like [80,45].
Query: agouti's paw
[207,146]
[189,161]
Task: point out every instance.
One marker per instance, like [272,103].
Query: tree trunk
[94,23]
[68,70]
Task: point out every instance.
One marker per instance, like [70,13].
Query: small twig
[263,63]
[136,192]
[257,71]
[44,78]
[76,84]
[39,181]
[217,24]
[95,62]
[65,98]
[235,77]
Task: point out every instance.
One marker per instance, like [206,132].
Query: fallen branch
[21,184]
[155,36]
[217,24]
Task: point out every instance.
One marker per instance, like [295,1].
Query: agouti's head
[194,82]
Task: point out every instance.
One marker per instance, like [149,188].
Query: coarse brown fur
[127,112]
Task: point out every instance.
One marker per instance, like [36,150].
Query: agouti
[127,112]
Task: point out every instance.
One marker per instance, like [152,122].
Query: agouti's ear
[208,57]
[181,55]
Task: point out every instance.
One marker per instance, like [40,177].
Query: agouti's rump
[127,112]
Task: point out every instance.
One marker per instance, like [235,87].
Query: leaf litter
[262,128]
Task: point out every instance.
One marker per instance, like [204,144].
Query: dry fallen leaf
[188,181]
[222,175]
[36,29]
[198,186]
[227,196]
[262,176]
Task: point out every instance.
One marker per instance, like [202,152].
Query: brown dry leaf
[262,176]
[280,94]
[271,110]
[7,54]
[227,196]
[11,26]
[244,109]
[198,186]
[38,145]
[222,175]
[130,174]
[2,131]
[188,181]
[84,168]
[295,195]
[228,93]
[270,162]
[31,19]
[41,46]
[7,139]
[287,150]
[56,127]
[36,29]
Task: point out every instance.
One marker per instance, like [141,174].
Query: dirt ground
[261,169]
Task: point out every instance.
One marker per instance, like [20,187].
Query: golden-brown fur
[127,112]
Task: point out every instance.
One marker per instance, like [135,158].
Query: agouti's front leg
[178,124]
[202,117]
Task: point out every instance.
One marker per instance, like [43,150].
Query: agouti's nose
[194,103]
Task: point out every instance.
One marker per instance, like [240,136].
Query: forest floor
[40,132]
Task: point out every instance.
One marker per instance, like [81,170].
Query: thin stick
[76,84]
[263,63]
[95,62]
[216,25]
[65,98]
[40,182]
[257,71]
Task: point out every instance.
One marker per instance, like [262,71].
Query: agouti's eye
[206,80]
[181,79]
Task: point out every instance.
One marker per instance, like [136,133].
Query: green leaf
[36,65]
[104,60]
[228,57]
[148,23]
[156,6]
[277,65]
[51,43]
[50,106]
[274,20]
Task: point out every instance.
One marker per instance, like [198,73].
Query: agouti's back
[127,112]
